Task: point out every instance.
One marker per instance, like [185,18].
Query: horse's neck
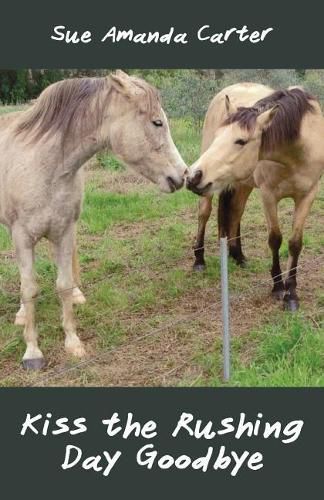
[79,146]
[311,141]
[9,118]
[74,155]
[308,149]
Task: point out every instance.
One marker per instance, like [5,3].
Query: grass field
[149,319]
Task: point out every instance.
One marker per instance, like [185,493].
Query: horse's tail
[225,221]
[224,211]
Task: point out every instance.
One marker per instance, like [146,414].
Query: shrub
[188,96]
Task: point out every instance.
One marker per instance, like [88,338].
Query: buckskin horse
[255,137]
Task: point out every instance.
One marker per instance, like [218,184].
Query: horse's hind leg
[302,208]
[78,297]
[64,283]
[33,358]
[20,318]
[205,208]
[270,204]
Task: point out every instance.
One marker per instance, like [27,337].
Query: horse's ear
[264,119]
[229,106]
[121,82]
[121,74]
[292,87]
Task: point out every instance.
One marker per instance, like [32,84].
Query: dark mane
[75,106]
[292,105]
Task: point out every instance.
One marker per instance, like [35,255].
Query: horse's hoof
[33,364]
[199,267]
[20,320]
[76,349]
[277,294]
[239,262]
[291,305]
[238,257]
[79,298]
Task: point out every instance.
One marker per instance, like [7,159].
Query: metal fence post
[225,307]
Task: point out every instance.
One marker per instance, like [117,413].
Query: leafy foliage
[186,93]
[188,96]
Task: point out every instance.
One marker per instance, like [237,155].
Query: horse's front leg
[78,296]
[270,204]
[33,358]
[63,256]
[302,208]
[204,211]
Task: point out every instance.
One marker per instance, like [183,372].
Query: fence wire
[303,271]
[155,332]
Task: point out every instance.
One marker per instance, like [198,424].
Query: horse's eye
[157,123]
[241,142]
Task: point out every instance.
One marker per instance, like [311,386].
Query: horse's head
[139,133]
[234,152]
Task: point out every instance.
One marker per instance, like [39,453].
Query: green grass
[288,351]
[136,257]
[109,162]
[10,108]
[103,210]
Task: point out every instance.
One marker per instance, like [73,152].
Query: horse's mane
[74,104]
[292,105]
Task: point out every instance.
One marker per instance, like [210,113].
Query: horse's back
[9,120]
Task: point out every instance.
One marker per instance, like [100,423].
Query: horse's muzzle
[174,185]
[193,182]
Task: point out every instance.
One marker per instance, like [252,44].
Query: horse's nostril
[186,172]
[195,180]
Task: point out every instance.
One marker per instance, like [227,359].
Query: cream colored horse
[41,153]
[254,137]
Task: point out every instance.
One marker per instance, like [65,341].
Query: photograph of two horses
[109,275]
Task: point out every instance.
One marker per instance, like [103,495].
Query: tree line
[186,93]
